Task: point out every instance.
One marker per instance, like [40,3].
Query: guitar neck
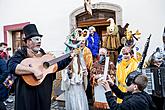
[54,61]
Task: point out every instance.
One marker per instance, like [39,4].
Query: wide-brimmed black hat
[30,31]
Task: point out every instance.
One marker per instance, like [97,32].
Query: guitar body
[37,63]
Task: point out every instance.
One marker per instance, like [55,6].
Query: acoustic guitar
[47,64]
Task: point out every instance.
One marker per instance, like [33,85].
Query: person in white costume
[74,83]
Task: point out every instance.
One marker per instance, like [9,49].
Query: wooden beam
[97,22]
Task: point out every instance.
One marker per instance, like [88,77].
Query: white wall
[52,18]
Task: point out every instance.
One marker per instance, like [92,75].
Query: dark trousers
[159,102]
[2,106]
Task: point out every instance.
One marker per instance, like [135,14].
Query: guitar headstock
[75,52]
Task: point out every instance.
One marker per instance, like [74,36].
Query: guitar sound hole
[30,65]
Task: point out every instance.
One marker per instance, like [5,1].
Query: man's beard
[36,49]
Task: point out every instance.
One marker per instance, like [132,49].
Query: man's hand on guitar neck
[75,52]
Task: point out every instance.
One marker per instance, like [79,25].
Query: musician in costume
[134,99]
[97,73]
[74,77]
[93,41]
[156,62]
[127,64]
[29,97]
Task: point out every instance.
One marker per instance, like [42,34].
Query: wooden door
[17,39]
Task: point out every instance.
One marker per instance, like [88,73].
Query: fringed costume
[113,39]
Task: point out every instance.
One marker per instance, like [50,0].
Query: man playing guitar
[30,97]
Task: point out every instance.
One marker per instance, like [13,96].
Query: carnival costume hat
[30,31]
[131,77]
[112,24]
[85,33]
[157,56]
[73,37]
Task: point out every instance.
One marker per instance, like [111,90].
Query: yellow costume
[87,57]
[123,69]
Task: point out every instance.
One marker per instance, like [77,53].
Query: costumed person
[135,98]
[4,51]
[130,39]
[87,55]
[122,34]
[4,92]
[74,77]
[127,64]
[29,97]
[4,54]
[93,42]
[155,63]
[99,70]
[72,39]
[113,39]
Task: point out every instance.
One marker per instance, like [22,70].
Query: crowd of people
[90,75]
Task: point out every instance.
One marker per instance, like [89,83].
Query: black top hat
[30,31]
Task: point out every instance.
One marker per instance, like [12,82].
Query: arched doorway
[100,13]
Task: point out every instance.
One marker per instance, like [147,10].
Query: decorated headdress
[75,34]
[157,56]
[131,37]
[81,39]
[72,40]
[85,33]
[112,24]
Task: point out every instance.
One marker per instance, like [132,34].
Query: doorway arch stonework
[100,6]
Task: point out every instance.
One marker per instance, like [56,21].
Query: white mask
[36,39]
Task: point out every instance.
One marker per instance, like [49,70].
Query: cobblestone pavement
[54,106]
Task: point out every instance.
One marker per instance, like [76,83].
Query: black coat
[3,74]
[33,97]
[157,93]
[135,101]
